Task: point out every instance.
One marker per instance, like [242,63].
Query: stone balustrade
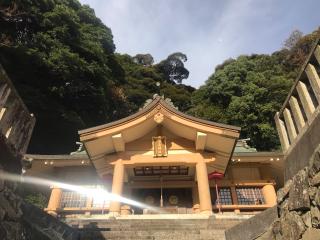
[16,123]
[302,104]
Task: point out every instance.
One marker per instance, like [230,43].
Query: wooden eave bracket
[118,142]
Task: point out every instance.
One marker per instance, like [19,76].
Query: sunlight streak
[97,193]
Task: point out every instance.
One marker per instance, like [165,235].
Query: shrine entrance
[169,200]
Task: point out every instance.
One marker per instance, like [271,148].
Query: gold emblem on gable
[159,146]
[158,118]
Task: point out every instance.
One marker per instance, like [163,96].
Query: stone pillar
[203,188]
[269,195]
[305,98]
[283,136]
[2,183]
[317,53]
[54,201]
[314,80]
[117,185]
[296,112]
[290,125]
[4,94]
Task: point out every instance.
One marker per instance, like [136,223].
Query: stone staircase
[154,229]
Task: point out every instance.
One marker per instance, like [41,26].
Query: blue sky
[208,31]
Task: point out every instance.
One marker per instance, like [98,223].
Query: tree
[141,85]
[59,55]
[248,91]
[299,51]
[293,39]
[173,69]
[245,92]
[61,59]
[143,59]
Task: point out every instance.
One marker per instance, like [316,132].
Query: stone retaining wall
[253,227]
[22,221]
[299,205]
[298,210]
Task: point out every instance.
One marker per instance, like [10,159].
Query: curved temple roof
[158,101]
[207,136]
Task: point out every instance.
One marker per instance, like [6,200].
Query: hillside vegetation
[62,60]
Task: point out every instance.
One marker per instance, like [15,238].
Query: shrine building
[166,159]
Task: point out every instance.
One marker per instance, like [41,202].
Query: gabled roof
[157,102]
[111,138]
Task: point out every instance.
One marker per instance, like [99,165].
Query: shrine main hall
[163,158]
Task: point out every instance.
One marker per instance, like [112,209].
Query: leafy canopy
[249,90]
[61,59]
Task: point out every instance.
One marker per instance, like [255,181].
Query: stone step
[149,232]
[154,235]
[151,229]
[150,222]
[169,237]
[163,226]
[173,234]
[156,225]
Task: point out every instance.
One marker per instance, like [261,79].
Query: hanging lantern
[215,175]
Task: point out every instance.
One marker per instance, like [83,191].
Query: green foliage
[37,199]
[144,59]
[61,67]
[298,52]
[173,69]
[62,61]
[249,90]
[141,84]
[245,92]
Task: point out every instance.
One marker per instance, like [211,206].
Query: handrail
[16,122]
[302,103]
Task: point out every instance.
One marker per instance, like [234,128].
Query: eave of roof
[258,154]
[56,157]
[150,107]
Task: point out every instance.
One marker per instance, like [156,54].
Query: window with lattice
[250,195]
[73,200]
[224,194]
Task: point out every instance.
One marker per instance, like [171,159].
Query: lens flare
[101,195]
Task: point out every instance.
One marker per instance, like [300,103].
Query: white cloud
[207,31]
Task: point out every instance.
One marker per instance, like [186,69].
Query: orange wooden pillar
[54,201]
[117,186]
[203,187]
[269,195]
